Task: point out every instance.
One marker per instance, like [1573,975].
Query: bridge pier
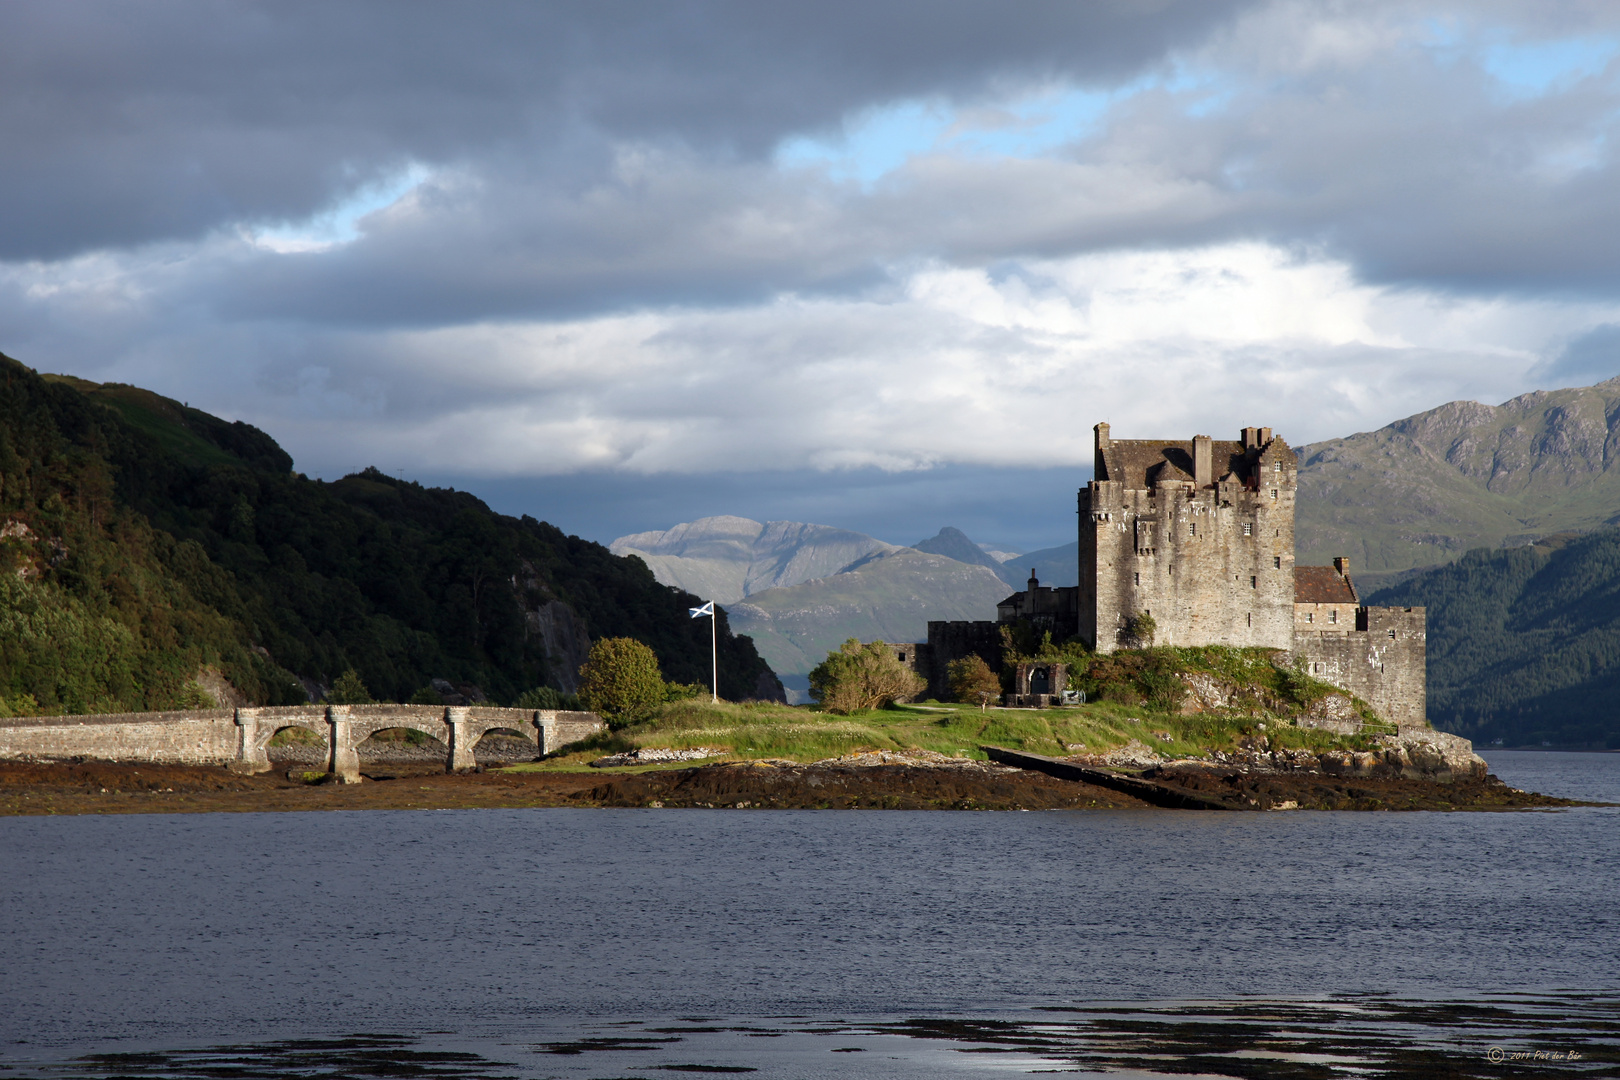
[461,740]
[251,755]
[345,766]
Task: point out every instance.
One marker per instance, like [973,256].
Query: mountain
[890,596]
[1056,567]
[1428,488]
[148,549]
[728,558]
[1524,643]
[954,544]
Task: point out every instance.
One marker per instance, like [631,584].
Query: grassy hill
[1428,488]
[143,543]
[1524,643]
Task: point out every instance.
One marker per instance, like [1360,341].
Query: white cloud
[954,365]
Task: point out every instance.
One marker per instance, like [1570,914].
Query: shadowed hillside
[150,550]
[1524,644]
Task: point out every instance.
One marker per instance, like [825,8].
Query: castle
[1199,535]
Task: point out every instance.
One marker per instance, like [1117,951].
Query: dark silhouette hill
[148,550]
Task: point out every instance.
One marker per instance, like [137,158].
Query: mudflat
[113,788]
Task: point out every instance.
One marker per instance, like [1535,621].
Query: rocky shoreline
[1416,771]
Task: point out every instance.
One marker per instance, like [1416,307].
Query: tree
[621,681]
[347,689]
[860,677]
[971,680]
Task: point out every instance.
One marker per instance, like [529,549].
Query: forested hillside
[1524,643]
[143,542]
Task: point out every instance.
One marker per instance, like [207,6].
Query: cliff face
[1425,489]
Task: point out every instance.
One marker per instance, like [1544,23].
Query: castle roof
[1136,463]
[1323,585]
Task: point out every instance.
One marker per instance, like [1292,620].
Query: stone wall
[949,641]
[1382,660]
[192,737]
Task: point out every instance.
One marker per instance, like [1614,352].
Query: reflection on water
[590,944]
[1562,1035]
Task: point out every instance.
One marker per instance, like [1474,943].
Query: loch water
[612,943]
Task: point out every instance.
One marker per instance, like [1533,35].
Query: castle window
[1392,633]
[1192,528]
[901,657]
[1248,528]
[1251,618]
[1333,616]
[1139,579]
[1254,583]
[1273,493]
[1310,616]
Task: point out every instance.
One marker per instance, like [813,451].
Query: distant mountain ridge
[954,544]
[1425,489]
[801,590]
[889,597]
[727,558]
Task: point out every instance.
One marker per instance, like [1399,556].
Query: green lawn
[804,733]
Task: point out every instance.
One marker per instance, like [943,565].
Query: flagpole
[714,655]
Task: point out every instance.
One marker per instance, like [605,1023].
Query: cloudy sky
[879,265]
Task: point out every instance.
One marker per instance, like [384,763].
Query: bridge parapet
[240,738]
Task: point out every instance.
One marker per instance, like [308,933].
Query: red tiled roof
[1322,585]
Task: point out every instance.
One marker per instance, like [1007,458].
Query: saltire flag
[699,612]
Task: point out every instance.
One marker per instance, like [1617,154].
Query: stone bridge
[240,738]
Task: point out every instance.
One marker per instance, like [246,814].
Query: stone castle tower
[1199,534]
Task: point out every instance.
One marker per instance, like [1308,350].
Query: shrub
[621,681]
[347,689]
[548,697]
[1140,629]
[972,681]
[426,696]
[686,691]
[860,677]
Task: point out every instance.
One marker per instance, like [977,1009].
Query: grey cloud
[134,123]
[1591,358]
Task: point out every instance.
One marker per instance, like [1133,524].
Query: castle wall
[1214,566]
[1382,660]
[949,641]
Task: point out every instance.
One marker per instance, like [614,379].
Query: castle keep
[1199,535]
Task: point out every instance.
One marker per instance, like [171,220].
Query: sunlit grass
[802,733]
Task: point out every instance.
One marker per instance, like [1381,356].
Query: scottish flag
[699,612]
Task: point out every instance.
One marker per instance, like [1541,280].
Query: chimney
[1342,565]
[1265,436]
[1034,582]
[1203,462]
[1248,438]
[1102,436]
